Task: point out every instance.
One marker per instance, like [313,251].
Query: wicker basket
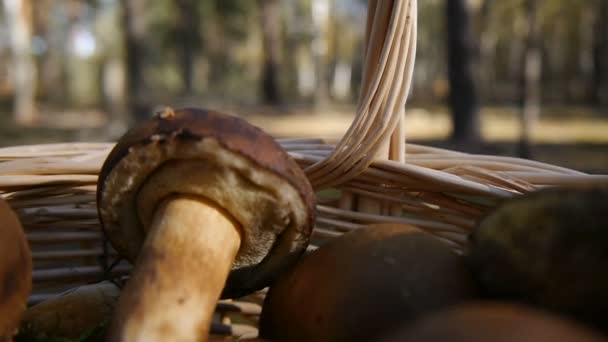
[369,176]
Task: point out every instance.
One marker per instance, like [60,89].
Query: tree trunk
[584,72]
[112,69]
[600,55]
[52,68]
[19,16]
[463,93]
[270,16]
[188,40]
[488,40]
[320,47]
[135,32]
[530,79]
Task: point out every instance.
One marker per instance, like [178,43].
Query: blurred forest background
[518,77]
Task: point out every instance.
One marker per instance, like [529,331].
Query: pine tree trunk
[531,77]
[270,16]
[19,16]
[600,55]
[188,40]
[586,43]
[488,40]
[463,93]
[320,46]
[135,31]
[52,71]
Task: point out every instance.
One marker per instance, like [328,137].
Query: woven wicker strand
[387,72]
[439,191]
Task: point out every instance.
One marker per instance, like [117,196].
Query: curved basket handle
[377,131]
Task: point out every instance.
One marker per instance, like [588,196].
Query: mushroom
[206,206]
[15,272]
[492,321]
[547,249]
[363,283]
[72,314]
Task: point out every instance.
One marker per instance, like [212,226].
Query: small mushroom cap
[15,271]
[491,321]
[362,284]
[224,160]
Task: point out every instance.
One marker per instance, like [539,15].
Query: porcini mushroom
[359,285]
[15,272]
[492,321]
[547,249]
[206,204]
[72,314]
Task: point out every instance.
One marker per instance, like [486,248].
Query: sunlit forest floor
[571,137]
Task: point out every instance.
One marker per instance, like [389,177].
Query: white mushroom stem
[180,273]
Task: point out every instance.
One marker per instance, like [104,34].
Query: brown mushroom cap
[547,249]
[491,321]
[15,271]
[363,283]
[223,159]
[73,313]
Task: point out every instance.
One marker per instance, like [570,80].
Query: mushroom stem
[179,275]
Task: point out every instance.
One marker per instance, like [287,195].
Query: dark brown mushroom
[547,249]
[15,272]
[205,203]
[71,314]
[496,322]
[363,283]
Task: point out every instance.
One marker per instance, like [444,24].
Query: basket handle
[377,131]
